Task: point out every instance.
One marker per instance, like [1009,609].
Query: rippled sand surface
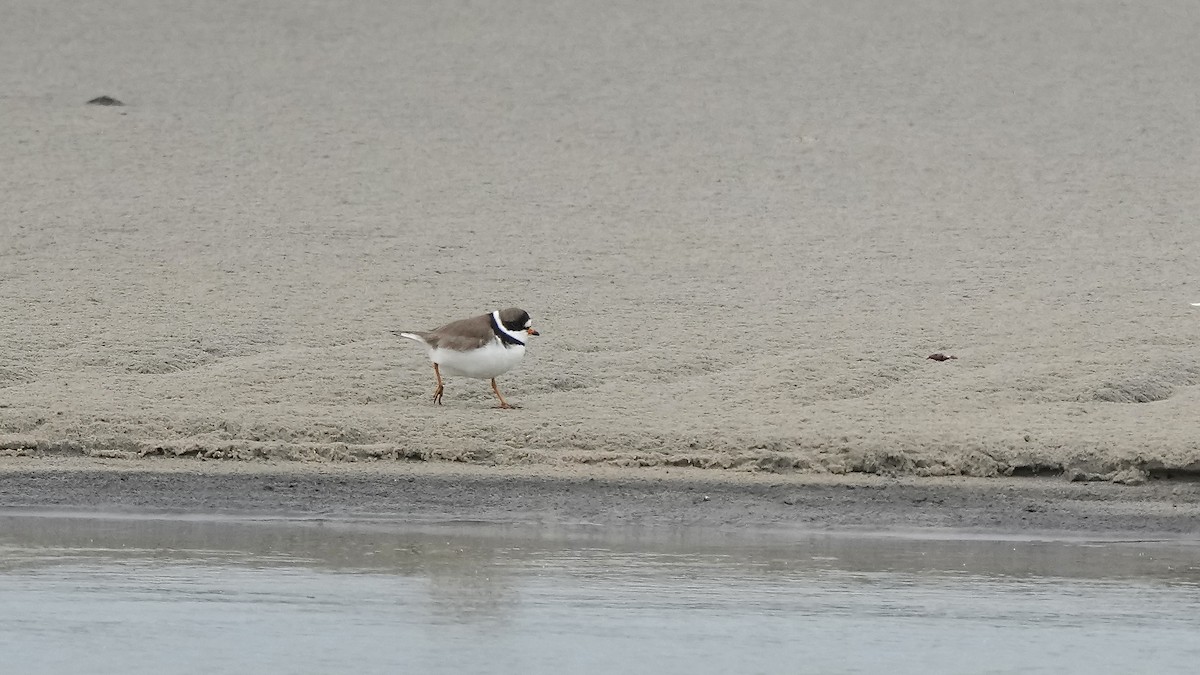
[741,229]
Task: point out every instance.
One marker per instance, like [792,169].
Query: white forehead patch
[528,323]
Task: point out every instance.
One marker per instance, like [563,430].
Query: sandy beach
[740,229]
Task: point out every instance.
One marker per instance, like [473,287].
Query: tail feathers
[419,337]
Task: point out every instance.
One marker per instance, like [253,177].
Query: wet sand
[654,498]
[740,228]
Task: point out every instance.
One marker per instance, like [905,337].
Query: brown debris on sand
[941,357]
[104,100]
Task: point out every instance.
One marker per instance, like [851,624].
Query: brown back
[462,335]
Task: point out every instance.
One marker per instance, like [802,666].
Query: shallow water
[180,595]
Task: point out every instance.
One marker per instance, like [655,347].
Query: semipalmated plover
[483,347]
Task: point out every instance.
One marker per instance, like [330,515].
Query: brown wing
[462,335]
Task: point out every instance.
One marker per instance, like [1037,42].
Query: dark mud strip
[646,497]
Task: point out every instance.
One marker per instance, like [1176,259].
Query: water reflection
[311,596]
[482,556]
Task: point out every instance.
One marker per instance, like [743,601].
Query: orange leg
[503,403]
[437,394]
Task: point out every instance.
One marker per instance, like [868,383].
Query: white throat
[519,337]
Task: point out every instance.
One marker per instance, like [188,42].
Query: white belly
[491,361]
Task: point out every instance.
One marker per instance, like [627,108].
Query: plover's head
[517,321]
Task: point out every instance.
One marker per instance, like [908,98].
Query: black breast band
[500,333]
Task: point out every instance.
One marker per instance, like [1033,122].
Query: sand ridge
[740,230]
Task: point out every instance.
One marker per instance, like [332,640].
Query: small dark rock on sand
[104,100]
[941,357]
